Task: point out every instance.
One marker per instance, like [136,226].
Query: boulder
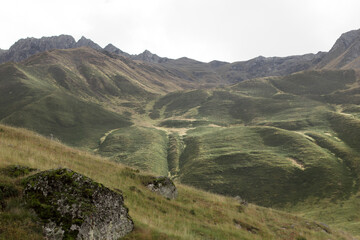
[163,186]
[72,206]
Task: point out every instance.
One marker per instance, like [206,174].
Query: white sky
[228,30]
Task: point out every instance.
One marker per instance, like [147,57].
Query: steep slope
[345,54]
[193,215]
[38,104]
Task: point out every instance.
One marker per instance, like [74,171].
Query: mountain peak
[85,42]
[346,40]
[112,49]
[27,47]
[345,50]
[147,56]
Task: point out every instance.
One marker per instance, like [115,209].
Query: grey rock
[147,56]
[347,47]
[27,47]
[163,186]
[112,49]
[71,205]
[85,42]
[241,201]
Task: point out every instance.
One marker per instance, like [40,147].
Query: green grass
[288,142]
[144,148]
[268,166]
[195,214]
[68,119]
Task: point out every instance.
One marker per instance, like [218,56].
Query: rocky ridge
[344,54]
[345,51]
[112,49]
[85,42]
[27,47]
[147,56]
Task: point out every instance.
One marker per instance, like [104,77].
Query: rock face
[72,206]
[25,48]
[345,50]
[112,49]
[85,42]
[163,186]
[147,56]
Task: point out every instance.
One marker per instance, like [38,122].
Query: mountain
[194,214]
[271,66]
[25,48]
[224,73]
[147,56]
[345,53]
[112,49]
[289,140]
[85,42]
[80,79]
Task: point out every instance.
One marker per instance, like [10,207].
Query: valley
[281,133]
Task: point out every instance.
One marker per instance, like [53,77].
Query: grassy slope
[281,141]
[37,104]
[265,165]
[287,121]
[144,148]
[195,214]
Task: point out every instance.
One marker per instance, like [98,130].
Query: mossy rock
[160,185]
[72,206]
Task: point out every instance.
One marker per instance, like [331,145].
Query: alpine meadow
[267,148]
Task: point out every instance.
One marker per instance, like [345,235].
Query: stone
[27,47]
[241,201]
[72,206]
[163,186]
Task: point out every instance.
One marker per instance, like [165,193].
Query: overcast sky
[228,30]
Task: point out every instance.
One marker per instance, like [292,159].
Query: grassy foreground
[195,214]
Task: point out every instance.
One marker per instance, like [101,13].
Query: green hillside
[285,142]
[195,214]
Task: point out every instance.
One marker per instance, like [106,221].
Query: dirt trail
[103,138]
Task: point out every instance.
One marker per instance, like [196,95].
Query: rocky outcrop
[2,52]
[27,47]
[72,206]
[85,42]
[147,56]
[112,49]
[345,50]
[163,186]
